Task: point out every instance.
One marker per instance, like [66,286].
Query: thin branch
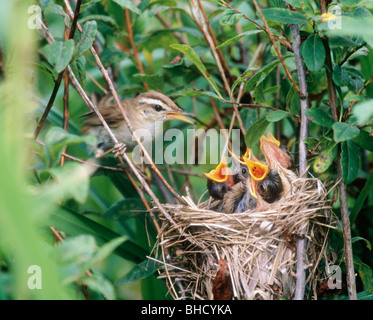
[59,78]
[303,135]
[132,42]
[218,62]
[278,51]
[124,114]
[350,271]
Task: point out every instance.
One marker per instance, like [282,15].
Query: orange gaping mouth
[258,171]
[220,173]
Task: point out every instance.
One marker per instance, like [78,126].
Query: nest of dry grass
[257,247]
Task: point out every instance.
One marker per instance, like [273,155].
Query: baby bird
[239,199]
[220,180]
[279,160]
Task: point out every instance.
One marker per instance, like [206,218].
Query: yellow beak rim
[217,174]
[258,171]
[252,189]
[181,117]
[269,138]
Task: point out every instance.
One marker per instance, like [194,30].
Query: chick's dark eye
[243,170]
[158,108]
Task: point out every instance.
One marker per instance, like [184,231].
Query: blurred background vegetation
[88,229]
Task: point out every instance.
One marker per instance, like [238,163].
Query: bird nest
[250,255]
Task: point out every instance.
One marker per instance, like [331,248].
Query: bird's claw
[119,149]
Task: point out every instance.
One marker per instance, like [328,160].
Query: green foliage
[98,212]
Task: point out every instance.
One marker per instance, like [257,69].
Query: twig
[60,76]
[282,41]
[132,42]
[350,272]
[124,114]
[218,62]
[270,34]
[303,135]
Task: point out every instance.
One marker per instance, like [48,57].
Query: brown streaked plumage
[143,112]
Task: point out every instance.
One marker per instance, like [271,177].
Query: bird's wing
[108,110]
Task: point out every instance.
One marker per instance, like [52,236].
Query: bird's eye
[158,108]
[243,170]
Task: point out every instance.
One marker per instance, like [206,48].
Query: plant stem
[303,135]
[350,272]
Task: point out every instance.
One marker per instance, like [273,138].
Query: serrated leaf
[192,55]
[141,271]
[313,53]
[129,5]
[350,161]
[326,157]
[85,39]
[344,131]
[285,16]
[255,131]
[276,115]
[237,37]
[59,54]
[320,117]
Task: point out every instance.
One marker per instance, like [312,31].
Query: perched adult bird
[279,160]
[220,180]
[143,112]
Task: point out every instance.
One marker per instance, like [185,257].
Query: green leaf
[78,66]
[368,244]
[237,37]
[255,131]
[155,81]
[104,251]
[313,53]
[76,224]
[192,93]
[340,76]
[350,161]
[57,9]
[129,5]
[361,198]
[192,55]
[363,111]
[98,283]
[364,140]
[124,209]
[141,271]
[325,158]
[85,39]
[277,115]
[320,117]
[59,54]
[230,17]
[344,131]
[285,16]
[365,273]
[350,3]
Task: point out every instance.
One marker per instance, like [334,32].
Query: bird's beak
[182,116]
[220,173]
[270,139]
[258,171]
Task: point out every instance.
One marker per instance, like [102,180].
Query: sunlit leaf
[344,131]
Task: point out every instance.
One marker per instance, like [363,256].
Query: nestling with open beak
[220,180]
[279,160]
[143,112]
